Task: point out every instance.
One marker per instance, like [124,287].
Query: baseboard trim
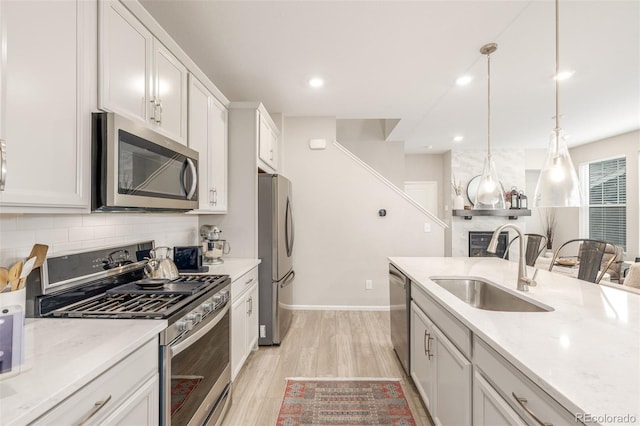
[337,308]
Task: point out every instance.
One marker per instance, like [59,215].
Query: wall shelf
[512,214]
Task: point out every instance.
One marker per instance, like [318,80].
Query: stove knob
[197,317]
[207,306]
[190,320]
[218,299]
[181,326]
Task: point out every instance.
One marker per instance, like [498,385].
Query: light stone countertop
[585,354]
[62,356]
[234,267]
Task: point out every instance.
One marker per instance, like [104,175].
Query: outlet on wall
[368,284]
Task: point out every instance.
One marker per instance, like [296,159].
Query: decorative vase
[458,202]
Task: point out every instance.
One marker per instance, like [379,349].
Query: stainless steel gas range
[195,372]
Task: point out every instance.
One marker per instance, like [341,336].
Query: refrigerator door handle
[288,228]
[288,280]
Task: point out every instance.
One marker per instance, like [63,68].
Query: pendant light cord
[557,65]
[489,106]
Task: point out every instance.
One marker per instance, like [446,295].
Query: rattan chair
[535,245]
[590,254]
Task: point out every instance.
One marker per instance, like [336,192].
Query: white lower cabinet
[422,370]
[128,393]
[244,319]
[440,371]
[141,408]
[514,389]
[488,406]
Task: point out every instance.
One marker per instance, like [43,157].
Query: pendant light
[558,184]
[490,194]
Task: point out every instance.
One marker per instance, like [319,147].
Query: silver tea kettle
[160,265]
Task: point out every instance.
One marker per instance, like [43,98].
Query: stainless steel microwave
[135,168]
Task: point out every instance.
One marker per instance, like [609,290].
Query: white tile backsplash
[64,233]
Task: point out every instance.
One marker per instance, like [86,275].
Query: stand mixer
[213,248]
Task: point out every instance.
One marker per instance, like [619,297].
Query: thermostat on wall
[317,143]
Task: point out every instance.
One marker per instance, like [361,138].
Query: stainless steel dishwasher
[399,302]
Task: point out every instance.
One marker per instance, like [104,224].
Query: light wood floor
[318,344]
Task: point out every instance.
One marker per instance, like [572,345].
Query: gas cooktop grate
[151,305]
[124,306]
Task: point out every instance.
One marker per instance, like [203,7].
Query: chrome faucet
[524,282]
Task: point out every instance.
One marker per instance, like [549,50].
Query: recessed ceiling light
[563,75]
[458,138]
[316,82]
[464,80]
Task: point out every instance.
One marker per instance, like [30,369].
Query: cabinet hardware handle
[153,109]
[429,339]
[3,164]
[271,154]
[215,196]
[251,306]
[424,343]
[159,105]
[211,202]
[523,404]
[99,405]
[248,281]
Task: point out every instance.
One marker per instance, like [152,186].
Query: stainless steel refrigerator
[275,249]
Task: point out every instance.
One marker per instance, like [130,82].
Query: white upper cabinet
[139,77]
[268,140]
[208,136]
[48,86]
[257,133]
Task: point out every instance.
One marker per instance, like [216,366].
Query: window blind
[607,201]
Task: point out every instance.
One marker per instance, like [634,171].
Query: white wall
[366,139]
[627,144]
[18,233]
[340,239]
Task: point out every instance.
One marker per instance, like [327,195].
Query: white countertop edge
[39,403]
[235,267]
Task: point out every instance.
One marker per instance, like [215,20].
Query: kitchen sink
[485,295]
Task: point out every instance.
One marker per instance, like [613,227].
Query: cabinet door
[252,319]
[219,145]
[208,136]
[47,91]
[265,143]
[169,94]
[489,409]
[238,334]
[452,382]
[141,408]
[126,58]
[422,369]
[199,101]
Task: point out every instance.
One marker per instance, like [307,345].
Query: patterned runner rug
[344,402]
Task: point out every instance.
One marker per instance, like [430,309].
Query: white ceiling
[400,59]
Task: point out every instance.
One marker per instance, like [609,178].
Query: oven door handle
[183,344]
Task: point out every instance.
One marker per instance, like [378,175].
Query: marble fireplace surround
[467,164]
